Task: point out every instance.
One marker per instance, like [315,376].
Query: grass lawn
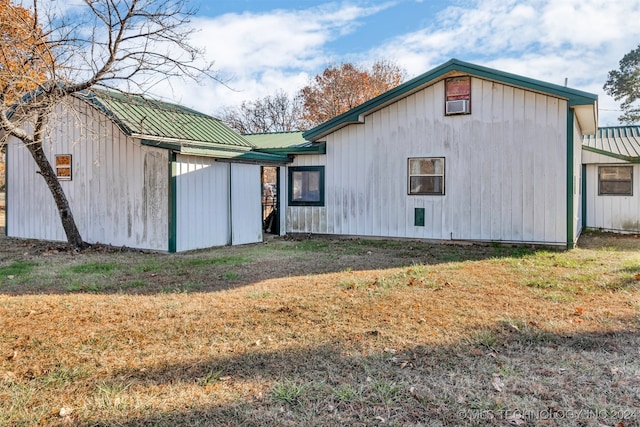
[322,332]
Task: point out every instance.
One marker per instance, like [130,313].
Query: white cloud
[550,40]
[260,53]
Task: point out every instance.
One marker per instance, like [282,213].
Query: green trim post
[570,154]
[173,208]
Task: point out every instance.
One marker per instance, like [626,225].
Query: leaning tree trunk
[49,175]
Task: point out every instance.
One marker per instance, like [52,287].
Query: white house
[140,173]
[462,152]
[611,161]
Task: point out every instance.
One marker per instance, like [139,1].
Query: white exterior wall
[611,213]
[217,203]
[246,204]
[202,203]
[505,170]
[118,194]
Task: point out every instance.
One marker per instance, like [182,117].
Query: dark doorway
[270,192]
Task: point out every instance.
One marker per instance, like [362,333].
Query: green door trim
[172,219]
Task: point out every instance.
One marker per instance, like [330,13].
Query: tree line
[336,90]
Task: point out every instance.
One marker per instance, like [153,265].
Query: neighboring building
[611,161]
[462,152]
[140,173]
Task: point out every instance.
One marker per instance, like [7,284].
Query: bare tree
[273,113]
[47,57]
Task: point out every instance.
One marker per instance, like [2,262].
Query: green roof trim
[157,120]
[276,139]
[619,142]
[355,115]
[220,152]
[316,148]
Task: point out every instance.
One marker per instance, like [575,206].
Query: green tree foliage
[624,84]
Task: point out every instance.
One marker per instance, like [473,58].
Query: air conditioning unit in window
[458,106]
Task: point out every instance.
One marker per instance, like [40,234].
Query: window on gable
[615,180]
[426,175]
[457,95]
[306,186]
[63,167]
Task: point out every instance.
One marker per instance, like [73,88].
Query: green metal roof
[174,127]
[285,143]
[277,139]
[356,114]
[620,142]
[159,121]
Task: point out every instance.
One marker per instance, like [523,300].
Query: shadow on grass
[498,372]
[51,270]
[109,272]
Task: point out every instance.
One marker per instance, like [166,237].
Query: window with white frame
[63,167]
[426,175]
[615,180]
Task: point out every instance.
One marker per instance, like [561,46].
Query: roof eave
[629,159]
[357,114]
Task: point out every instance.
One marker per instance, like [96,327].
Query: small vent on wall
[458,106]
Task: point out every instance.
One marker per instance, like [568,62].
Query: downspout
[569,182]
[172,219]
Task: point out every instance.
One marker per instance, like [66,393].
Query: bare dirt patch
[321,332]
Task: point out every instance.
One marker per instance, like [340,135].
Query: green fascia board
[206,150]
[246,156]
[317,148]
[613,155]
[573,96]
[218,151]
[178,145]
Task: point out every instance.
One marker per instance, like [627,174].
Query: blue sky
[262,46]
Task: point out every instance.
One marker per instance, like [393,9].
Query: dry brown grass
[322,332]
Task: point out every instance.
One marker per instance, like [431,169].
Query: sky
[262,46]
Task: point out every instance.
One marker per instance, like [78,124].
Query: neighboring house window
[63,167]
[615,180]
[426,175]
[306,186]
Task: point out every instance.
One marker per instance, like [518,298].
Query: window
[63,167]
[306,186]
[615,180]
[457,95]
[426,175]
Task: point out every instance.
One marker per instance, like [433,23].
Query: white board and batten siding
[118,192]
[217,203]
[505,170]
[611,212]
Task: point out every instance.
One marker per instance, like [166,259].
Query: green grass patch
[17,268]
[224,260]
[288,392]
[94,268]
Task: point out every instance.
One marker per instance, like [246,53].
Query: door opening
[270,187]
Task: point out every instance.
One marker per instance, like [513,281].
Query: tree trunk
[49,175]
